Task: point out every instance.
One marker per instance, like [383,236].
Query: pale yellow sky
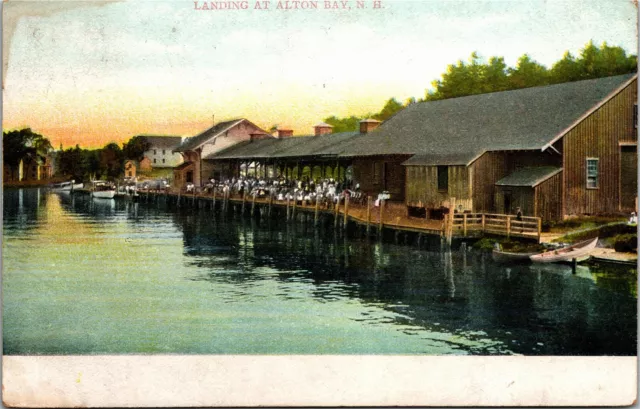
[101,73]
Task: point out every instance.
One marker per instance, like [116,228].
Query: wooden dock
[374,219]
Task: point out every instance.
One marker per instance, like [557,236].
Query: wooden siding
[422,186]
[598,136]
[521,196]
[548,199]
[628,177]
[486,171]
[375,174]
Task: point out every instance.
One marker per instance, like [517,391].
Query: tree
[73,163]
[527,73]
[136,147]
[475,77]
[111,160]
[349,124]
[21,145]
[390,108]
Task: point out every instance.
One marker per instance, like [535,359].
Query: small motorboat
[103,190]
[579,251]
[500,256]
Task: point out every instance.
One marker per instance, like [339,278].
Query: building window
[154,161]
[443,178]
[635,115]
[154,152]
[592,173]
[163,152]
[162,160]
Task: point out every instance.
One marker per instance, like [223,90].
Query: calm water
[88,276]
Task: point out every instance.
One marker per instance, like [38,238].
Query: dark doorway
[628,177]
[190,176]
[507,202]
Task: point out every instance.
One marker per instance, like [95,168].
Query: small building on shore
[132,168]
[29,169]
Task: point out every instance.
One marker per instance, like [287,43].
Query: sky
[92,72]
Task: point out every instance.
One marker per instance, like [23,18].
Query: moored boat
[104,194]
[508,257]
[578,251]
[66,186]
[103,190]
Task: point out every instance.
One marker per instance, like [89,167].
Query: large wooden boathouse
[552,151]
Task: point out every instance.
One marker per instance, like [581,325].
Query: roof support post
[554,149]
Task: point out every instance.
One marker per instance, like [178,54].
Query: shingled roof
[298,146]
[162,141]
[457,130]
[454,131]
[529,177]
[219,128]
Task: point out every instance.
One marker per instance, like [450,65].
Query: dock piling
[382,201]
[368,214]
[253,205]
[346,212]
[316,211]
[244,199]
[295,204]
[335,213]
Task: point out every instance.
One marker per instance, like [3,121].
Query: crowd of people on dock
[305,191]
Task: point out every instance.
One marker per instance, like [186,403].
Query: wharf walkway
[387,216]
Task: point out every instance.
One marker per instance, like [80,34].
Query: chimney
[368,125]
[322,129]
[285,133]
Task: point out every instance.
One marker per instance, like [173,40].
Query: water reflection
[307,290]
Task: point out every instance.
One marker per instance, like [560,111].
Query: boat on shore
[579,251]
[505,257]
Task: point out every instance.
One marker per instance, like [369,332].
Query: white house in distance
[161,153]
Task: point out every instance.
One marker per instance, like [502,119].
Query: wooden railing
[500,224]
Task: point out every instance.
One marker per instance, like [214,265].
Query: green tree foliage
[477,77]
[349,124]
[136,147]
[593,62]
[23,144]
[352,123]
[111,160]
[527,73]
[390,108]
[72,163]
[83,164]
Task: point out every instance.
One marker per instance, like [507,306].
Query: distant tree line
[478,77]
[74,163]
[104,163]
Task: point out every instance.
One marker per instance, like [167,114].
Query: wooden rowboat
[577,251]
[507,257]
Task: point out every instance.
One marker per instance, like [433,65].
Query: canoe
[577,251]
[507,257]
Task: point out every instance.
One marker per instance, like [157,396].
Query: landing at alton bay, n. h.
[286,5]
